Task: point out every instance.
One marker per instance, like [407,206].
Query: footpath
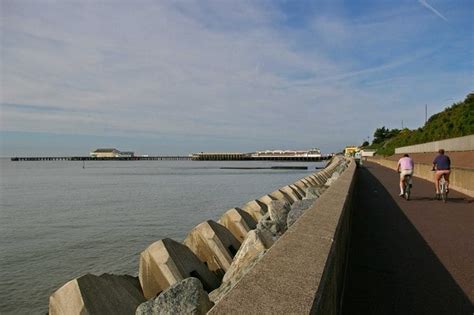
[408,257]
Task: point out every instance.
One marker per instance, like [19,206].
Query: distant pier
[89,158]
[204,156]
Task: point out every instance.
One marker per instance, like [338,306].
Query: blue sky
[174,77]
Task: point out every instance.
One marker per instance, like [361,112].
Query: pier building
[111,153]
[105,153]
[288,153]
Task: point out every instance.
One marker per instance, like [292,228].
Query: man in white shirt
[404,167]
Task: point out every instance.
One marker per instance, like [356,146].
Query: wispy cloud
[425,4]
[30,108]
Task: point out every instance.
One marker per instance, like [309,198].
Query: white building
[288,153]
[109,153]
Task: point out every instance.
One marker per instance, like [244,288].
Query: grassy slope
[455,121]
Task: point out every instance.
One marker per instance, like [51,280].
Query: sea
[62,219]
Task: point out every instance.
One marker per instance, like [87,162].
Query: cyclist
[404,167]
[442,165]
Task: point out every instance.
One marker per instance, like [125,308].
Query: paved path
[409,257]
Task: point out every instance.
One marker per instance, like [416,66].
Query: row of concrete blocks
[206,253]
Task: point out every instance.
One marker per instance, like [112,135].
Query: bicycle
[407,187]
[443,188]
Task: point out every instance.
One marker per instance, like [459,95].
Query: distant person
[442,166]
[357,157]
[404,167]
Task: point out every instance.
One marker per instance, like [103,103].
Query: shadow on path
[392,269]
[450,200]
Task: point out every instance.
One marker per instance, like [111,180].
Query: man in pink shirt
[404,167]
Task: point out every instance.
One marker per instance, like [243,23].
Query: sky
[176,77]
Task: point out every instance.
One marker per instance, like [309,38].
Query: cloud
[203,68]
[425,4]
[29,108]
[182,68]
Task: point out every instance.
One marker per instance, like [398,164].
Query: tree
[392,133]
[380,135]
[365,144]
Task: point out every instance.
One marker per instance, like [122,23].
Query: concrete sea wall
[303,272]
[283,252]
[455,144]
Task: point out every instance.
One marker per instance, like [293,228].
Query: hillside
[455,121]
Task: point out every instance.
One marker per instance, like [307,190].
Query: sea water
[60,220]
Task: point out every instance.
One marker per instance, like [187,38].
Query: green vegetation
[455,121]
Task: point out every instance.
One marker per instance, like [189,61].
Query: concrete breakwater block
[301,185]
[266,200]
[254,246]
[184,297]
[238,222]
[279,195]
[324,176]
[310,180]
[298,189]
[318,179]
[90,294]
[306,182]
[255,208]
[258,208]
[166,262]
[214,245]
[292,193]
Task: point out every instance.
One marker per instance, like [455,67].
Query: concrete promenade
[408,257]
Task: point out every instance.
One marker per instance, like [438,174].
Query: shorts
[404,173]
[443,172]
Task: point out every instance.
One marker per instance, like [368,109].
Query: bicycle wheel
[407,192]
[444,194]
